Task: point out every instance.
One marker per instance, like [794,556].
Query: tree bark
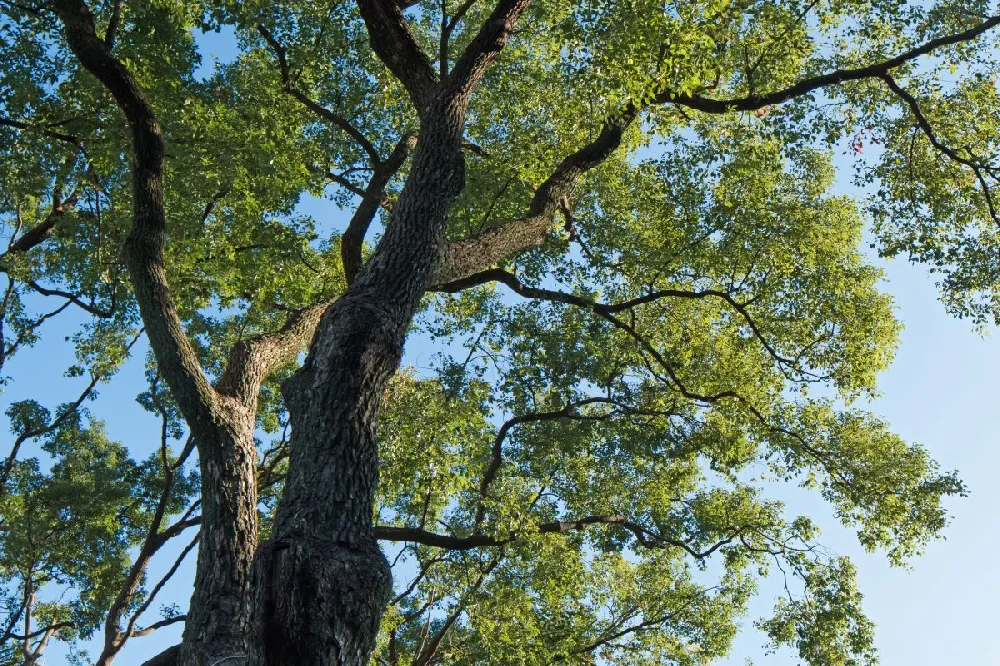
[322,584]
[222,425]
[220,612]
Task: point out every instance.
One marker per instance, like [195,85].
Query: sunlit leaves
[611,449]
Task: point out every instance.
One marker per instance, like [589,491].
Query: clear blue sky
[941,391]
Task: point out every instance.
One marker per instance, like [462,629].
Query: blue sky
[940,392]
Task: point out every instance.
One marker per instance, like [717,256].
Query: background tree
[615,221]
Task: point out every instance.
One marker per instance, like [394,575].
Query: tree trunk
[219,615]
[322,584]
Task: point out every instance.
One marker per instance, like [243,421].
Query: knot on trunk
[318,602]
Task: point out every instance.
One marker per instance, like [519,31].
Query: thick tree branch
[472,255]
[111,34]
[469,256]
[143,250]
[485,47]
[394,44]
[253,359]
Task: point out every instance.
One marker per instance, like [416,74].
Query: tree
[617,221]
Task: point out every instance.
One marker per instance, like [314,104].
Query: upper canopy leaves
[576,475]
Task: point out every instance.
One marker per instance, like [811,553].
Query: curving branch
[166,658]
[645,625]
[44,129]
[44,229]
[67,411]
[466,257]
[252,360]
[372,199]
[925,127]
[143,250]
[569,411]
[836,77]
[514,284]
[484,47]
[71,298]
[644,536]
[469,256]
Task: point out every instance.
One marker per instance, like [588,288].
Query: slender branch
[318,109]
[928,131]
[374,194]
[443,41]
[159,624]
[43,630]
[641,626]
[129,630]
[514,284]
[496,451]
[431,646]
[71,297]
[644,536]
[836,77]
[346,184]
[71,139]
[114,639]
[43,230]
[469,256]
[460,14]
[113,24]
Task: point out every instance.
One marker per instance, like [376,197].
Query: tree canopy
[647,301]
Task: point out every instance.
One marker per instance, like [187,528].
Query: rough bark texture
[322,583]
[319,588]
[223,427]
[220,613]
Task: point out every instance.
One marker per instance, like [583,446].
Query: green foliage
[70,527]
[752,330]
